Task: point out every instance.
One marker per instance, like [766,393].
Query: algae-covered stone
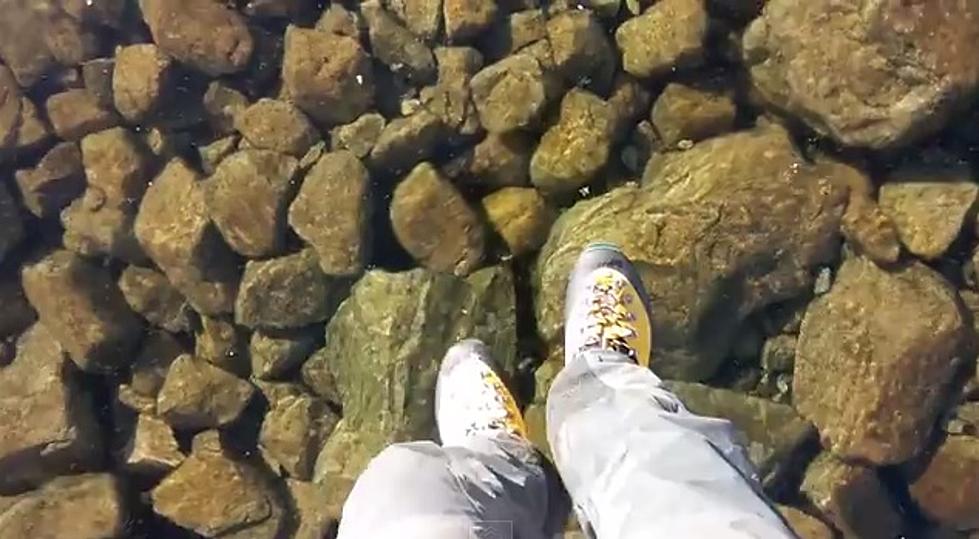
[422,17]
[699,235]
[581,49]
[275,354]
[501,160]
[116,164]
[270,124]
[216,495]
[185,244]
[197,395]
[513,32]
[332,213]
[511,94]
[435,224]
[669,35]
[405,142]
[206,35]
[358,136]
[874,357]
[521,216]
[315,513]
[852,497]
[222,104]
[142,78]
[804,525]
[159,350]
[948,488]
[56,180]
[328,76]
[149,293]
[395,46]
[384,346]
[95,228]
[287,292]
[76,113]
[152,450]
[248,197]
[222,344]
[689,113]
[84,309]
[466,19]
[572,152]
[292,433]
[87,506]
[46,417]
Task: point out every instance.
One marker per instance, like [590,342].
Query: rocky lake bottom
[237,237]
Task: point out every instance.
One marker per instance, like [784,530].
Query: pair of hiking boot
[607,308]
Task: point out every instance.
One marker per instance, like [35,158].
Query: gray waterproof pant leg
[638,464]
[495,488]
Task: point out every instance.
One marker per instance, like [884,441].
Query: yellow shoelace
[610,324]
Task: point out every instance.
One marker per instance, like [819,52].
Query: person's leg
[635,461]
[486,481]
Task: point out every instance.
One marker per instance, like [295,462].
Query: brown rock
[23,43]
[581,50]
[287,292]
[358,136]
[778,353]
[95,227]
[216,151]
[116,165]
[248,197]
[573,151]
[396,47]
[293,432]
[46,418]
[222,344]
[948,488]
[97,77]
[466,19]
[689,113]
[20,125]
[276,125]
[185,244]
[160,350]
[911,66]
[68,40]
[629,100]
[669,35]
[521,216]
[405,142]
[206,35]
[11,225]
[197,395]
[929,215]
[217,496]
[87,506]
[338,20]
[435,224]
[501,160]
[314,512]
[141,80]
[76,113]
[149,293]
[870,230]
[17,314]
[852,498]
[152,451]
[511,94]
[328,76]
[222,104]
[422,17]
[804,525]
[275,354]
[332,213]
[889,339]
[514,32]
[58,178]
[84,310]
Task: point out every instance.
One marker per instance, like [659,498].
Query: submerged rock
[317,508]
[152,451]
[76,113]
[521,216]
[292,433]
[275,353]
[222,344]
[669,35]
[911,65]
[395,46]
[805,525]
[405,142]
[56,180]
[87,506]
[11,225]
[948,488]
[206,35]
[149,293]
[197,395]
[688,113]
[511,94]
[276,125]
[581,50]
[142,80]
[466,19]
[712,244]
[435,224]
[360,135]
[875,355]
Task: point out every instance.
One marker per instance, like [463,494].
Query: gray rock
[376,345]
[185,244]
[511,94]
[149,293]
[669,35]
[317,508]
[94,502]
[332,213]
[396,47]
[215,495]
[581,50]
[206,35]
[467,19]
[852,498]
[358,136]
[275,354]
[929,208]
[287,292]
[521,216]
[292,433]
[222,104]
[152,450]
[97,78]
[76,113]
[435,224]
[11,224]
[778,438]
[689,113]
[895,91]
[328,76]
[142,79]
[197,395]
[276,125]
[160,349]
[405,142]
[899,330]
[948,487]
[576,148]
[248,197]
[56,180]
[703,265]
[84,310]
[222,344]
[45,414]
